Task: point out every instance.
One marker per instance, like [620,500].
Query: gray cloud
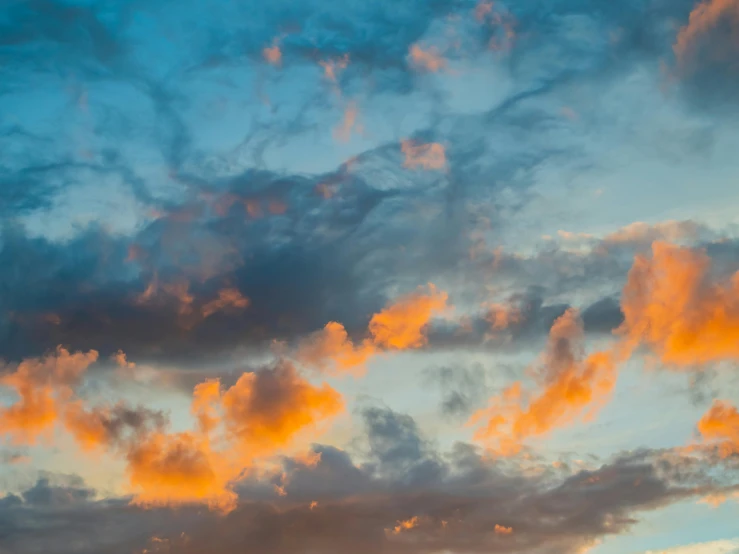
[457,497]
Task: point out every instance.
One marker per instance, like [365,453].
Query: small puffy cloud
[267,410]
[674,305]
[711,32]
[720,426]
[228,298]
[405,525]
[180,468]
[401,325]
[427,59]
[332,67]
[331,349]
[43,386]
[570,382]
[429,156]
[272,54]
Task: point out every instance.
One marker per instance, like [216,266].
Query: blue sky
[270,273]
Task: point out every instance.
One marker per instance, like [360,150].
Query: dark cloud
[66,491]
[338,504]
[303,260]
[603,316]
[463,388]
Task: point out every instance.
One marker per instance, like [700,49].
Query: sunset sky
[378,276]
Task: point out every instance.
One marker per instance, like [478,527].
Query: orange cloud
[720,425]
[108,427]
[427,60]
[151,290]
[502,317]
[718,499]
[331,68]
[43,386]
[402,325]
[672,305]
[348,124]
[273,54]
[180,468]
[705,18]
[483,9]
[324,190]
[276,207]
[426,156]
[266,411]
[406,525]
[135,252]
[570,381]
[121,360]
[227,298]
[640,232]
[501,530]
[180,292]
[262,414]
[206,398]
[506,35]
[332,350]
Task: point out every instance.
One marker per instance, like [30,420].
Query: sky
[389,276]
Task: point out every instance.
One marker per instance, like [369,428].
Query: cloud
[712,24]
[685,315]
[228,298]
[429,156]
[43,386]
[464,388]
[59,491]
[333,67]
[349,123]
[261,415]
[672,303]
[570,381]
[401,325]
[720,425]
[101,427]
[714,547]
[265,411]
[426,59]
[704,51]
[273,54]
[180,468]
[502,530]
[156,205]
[331,349]
[338,502]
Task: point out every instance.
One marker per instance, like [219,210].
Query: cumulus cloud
[569,381]
[673,304]
[43,386]
[266,410]
[401,325]
[421,502]
[427,59]
[428,156]
[178,198]
[712,24]
[720,425]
